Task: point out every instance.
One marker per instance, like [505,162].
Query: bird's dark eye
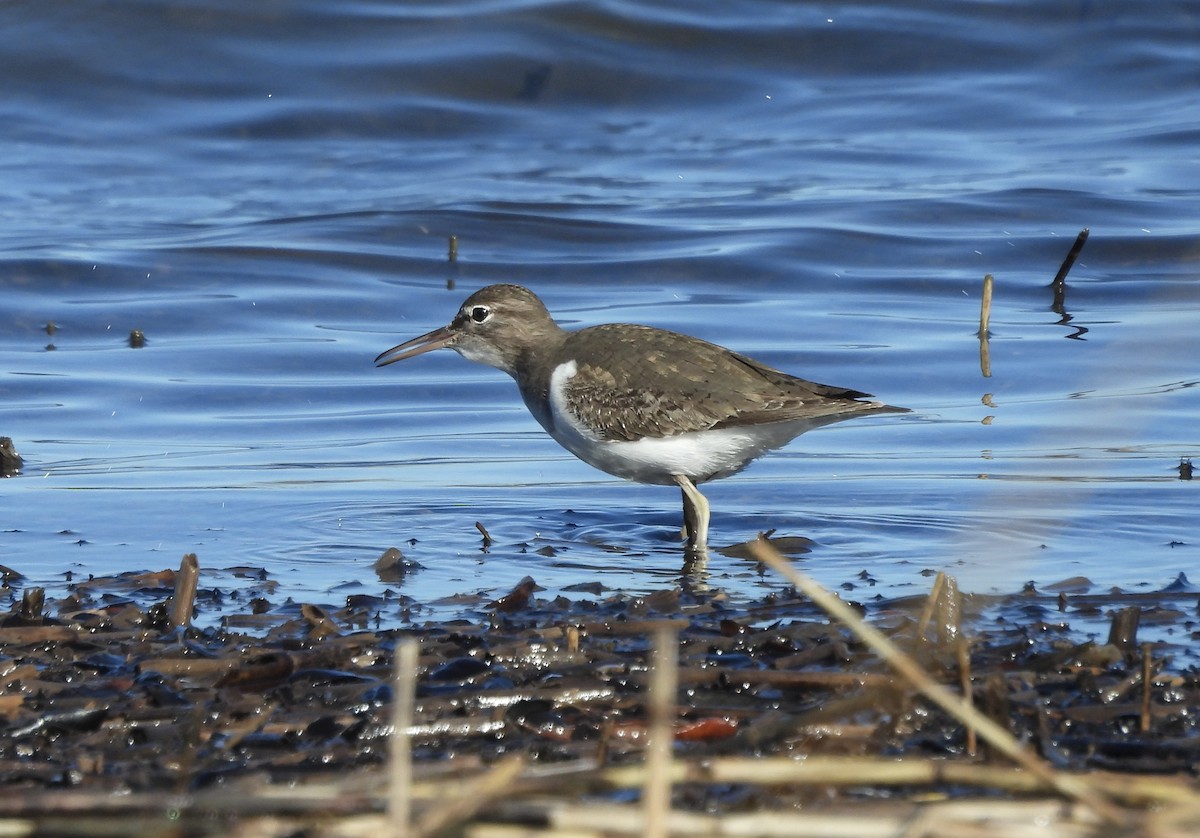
[479,313]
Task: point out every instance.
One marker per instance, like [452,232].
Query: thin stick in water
[1060,279]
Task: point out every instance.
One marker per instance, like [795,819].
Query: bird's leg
[695,514]
[689,517]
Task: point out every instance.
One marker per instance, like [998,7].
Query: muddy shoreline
[116,708]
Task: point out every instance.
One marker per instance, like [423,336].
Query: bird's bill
[436,339]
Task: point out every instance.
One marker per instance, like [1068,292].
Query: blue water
[267,191]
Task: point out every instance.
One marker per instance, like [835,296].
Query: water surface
[268,191]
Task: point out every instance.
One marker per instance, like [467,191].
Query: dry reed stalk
[867,771]
[449,812]
[1003,819]
[985,307]
[399,798]
[836,772]
[985,319]
[614,819]
[664,682]
[1068,785]
[1181,821]
[981,819]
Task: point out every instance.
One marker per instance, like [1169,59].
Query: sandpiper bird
[641,403]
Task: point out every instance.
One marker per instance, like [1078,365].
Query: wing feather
[652,387]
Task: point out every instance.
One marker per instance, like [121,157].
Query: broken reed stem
[1060,279]
[184,598]
[985,307]
[1068,785]
[664,681]
[452,250]
[404,688]
[985,319]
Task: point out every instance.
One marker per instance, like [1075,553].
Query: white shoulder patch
[568,430]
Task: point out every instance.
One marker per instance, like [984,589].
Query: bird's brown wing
[656,387]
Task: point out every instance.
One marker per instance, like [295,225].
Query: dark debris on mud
[113,705]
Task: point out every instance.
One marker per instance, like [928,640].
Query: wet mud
[120,704]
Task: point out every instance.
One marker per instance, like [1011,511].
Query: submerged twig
[487,537]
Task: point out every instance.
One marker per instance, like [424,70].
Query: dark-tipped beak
[438,338]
